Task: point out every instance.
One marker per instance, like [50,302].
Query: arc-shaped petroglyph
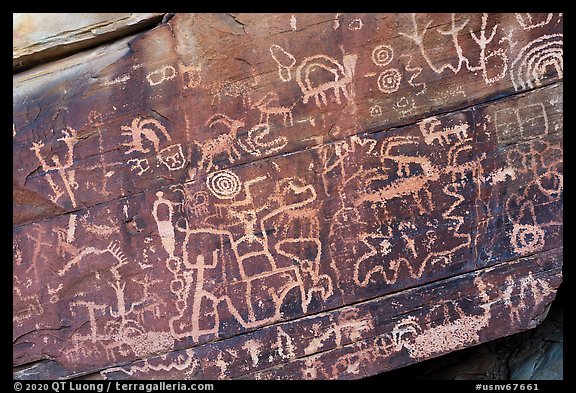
[535,59]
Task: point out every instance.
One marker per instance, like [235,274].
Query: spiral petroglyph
[224,184]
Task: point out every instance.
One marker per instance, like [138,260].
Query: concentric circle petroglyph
[382,55]
[375,111]
[389,81]
[224,184]
[527,238]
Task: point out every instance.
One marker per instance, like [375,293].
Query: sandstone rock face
[40,37]
[308,196]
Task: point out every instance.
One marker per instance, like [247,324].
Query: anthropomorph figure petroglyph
[63,168]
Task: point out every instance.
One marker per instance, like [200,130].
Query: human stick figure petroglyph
[418,38]
[500,54]
[63,168]
[481,40]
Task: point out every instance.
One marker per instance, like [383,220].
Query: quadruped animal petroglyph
[287,195]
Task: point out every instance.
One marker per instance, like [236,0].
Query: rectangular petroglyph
[217,219]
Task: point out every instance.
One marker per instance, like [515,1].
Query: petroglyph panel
[330,87]
[209,203]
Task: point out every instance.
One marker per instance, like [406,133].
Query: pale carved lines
[63,168]
[160,75]
[224,184]
[382,55]
[417,71]
[267,108]
[141,130]
[511,121]
[355,24]
[190,277]
[534,59]
[481,40]
[285,62]
[431,134]
[339,77]
[526,20]
[389,81]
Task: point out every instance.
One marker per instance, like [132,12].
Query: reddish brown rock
[222,198]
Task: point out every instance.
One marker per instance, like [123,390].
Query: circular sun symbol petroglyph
[382,55]
[527,238]
[375,111]
[389,81]
[224,184]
